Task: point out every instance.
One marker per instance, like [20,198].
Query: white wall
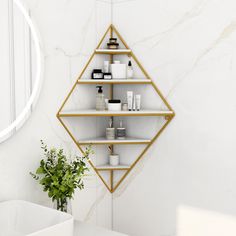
[188,47]
[69,32]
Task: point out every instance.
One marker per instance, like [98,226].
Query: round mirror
[20,66]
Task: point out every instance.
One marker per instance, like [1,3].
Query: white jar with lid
[114,159]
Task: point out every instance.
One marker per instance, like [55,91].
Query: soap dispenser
[130,71]
[100,100]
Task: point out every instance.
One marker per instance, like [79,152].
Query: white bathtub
[20,218]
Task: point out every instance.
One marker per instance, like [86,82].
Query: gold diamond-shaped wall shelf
[167,114]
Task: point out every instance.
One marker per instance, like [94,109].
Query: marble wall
[69,32]
[188,47]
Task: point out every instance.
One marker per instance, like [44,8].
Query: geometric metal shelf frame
[167,114]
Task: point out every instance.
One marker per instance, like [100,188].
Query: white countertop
[85,229]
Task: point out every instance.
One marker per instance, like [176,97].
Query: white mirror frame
[4,134]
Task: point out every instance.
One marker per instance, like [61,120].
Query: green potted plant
[60,175]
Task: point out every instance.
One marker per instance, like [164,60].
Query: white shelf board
[114,113]
[103,140]
[114,81]
[113,51]
[109,167]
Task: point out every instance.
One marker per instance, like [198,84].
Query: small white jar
[114,159]
[114,106]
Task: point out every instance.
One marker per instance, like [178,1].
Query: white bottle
[134,103]
[130,71]
[106,66]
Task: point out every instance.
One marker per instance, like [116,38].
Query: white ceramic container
[114,106]
[20,218]
[114,159]
[118,70]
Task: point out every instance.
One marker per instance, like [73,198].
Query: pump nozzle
[99,89]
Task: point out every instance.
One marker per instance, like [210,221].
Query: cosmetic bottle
[121,131]
[130,72]
[138,101]
[110,131]
[100,100]
[106,103]
[130,100]
[134,103]
[106,67]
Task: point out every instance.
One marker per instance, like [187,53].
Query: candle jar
[110,133]
[114,159]
[107,76]
[97,74]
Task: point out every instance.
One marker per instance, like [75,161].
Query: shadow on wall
[193,221]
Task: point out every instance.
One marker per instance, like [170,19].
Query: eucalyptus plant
[59,175]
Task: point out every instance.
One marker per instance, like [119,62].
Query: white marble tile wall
[70,30]
[188,47]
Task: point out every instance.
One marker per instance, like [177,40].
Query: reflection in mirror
[18,63]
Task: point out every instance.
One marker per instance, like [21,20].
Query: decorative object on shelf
[60,175]
[130,71]
[134,102]
[114,105]
[114,159]
[100,100]
[110,131]
[106,103]
[125,107]
[113,40]
[106,66]
[121,131]
[138,102]
[130,98]
[166,115]
[97,74]
[107,76]
[118,70]
[113,44]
